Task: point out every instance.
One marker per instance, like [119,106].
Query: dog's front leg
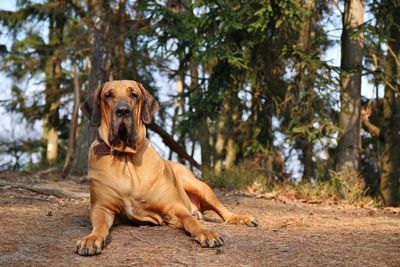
[92,244]
[206,238]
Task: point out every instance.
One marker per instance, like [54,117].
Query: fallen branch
[47,189]
[47,192]
[173,145]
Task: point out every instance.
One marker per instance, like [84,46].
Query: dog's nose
[122,110]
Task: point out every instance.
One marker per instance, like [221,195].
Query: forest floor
[42,217]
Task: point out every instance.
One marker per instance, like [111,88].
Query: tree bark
[220,144]
[53,82]
[307,160]
[306,85]
[98,73]
[121,40]
[97,76]
[390,175]
[226,142]
[349,143]
[233,116]
[202,125]
[74,125]
[179,106]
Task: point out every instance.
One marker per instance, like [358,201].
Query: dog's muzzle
[122,125]
[122,110]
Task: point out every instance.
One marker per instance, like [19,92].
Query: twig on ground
[141,239]
[46,192]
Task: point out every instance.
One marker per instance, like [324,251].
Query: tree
[304,111]
[380,116]
[391,108]
[74,125]
[31,56]
[348,149]
[53,72]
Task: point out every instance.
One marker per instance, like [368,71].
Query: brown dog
[129,178]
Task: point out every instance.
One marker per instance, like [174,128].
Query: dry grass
[348,187]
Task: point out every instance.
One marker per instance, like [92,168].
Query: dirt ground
[41,218]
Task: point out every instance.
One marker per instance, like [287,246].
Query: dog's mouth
[122,132]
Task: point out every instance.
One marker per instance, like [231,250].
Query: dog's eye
[107,95]
[134,95]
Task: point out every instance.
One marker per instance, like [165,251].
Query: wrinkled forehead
[121,86]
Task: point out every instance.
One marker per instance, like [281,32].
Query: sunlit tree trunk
[74,124]
[349,143]
[53,82]
[231,130]
[220,143]
[179,107]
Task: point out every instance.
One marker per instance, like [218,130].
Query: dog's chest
[132,190]
[136,195]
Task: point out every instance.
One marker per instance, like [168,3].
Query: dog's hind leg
[204,198]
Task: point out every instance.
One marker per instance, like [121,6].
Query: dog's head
[121,109]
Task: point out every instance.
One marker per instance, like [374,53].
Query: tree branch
[172,144]
[375,131]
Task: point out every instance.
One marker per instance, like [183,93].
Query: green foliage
[261,84]
[48,34]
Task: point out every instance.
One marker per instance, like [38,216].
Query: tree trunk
[305,74]
[98,73]
[97,76]
[121,40]
[53,82]
[74,125]
[219,144]
[226,143]
[260,123]
[233,116]
[202,125]
[179,107]
[391,112]
[349,143]
[308,163]
[231,152]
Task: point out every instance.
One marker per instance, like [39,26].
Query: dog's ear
[149,105]
[91,107]
[86,107]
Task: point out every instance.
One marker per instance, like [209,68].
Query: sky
[7,5]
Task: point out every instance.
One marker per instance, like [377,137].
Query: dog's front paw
[90,245]
[243,219]
[208,239]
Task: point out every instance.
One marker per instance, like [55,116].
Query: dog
[128,178]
